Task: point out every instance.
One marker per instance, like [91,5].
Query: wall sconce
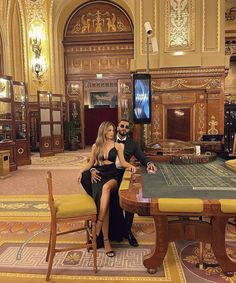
[37,36]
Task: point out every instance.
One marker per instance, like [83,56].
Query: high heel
[109,253]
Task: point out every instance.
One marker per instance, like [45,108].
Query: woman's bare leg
[103,216]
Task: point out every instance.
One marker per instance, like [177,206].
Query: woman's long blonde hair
[100,141]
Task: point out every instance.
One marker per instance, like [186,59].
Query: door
[178,124]
[93,117]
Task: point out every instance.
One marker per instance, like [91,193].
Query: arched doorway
[99,45]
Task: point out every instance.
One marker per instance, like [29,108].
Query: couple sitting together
[101,178]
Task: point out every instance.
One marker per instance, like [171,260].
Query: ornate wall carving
[180,24]
[202,94]
[98,39]
[98,18]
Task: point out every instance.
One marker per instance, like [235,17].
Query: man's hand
[79,177]
[132,169]
[95,176]
[151,168]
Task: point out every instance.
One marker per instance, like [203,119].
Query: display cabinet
[21,123]
[50,123]
[45,123]
[7,124]
[57,123]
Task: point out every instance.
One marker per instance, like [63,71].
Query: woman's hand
[95,176]
[132,168]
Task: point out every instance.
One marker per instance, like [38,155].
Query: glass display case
[50,123]
[7,123]
[57,123]
[21,123]
[45,124]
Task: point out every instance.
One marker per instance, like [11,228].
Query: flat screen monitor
[142,98]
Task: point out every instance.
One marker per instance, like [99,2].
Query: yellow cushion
[127,174]
[124,185]
[228,205]
[180,205]
[231,164]
[74,205]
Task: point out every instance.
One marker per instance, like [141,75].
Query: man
[131,148]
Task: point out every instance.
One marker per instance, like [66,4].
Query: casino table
[187,202]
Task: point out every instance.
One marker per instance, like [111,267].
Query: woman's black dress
[108,172]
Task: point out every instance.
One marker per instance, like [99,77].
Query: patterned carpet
[23,249]
[24,222]
[68,160]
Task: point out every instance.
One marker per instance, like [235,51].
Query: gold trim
[183,83]
[218,12]
[141,51]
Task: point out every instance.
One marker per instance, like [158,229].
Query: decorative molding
[180,25]
[99,48]
[230,97]
[201,119]
[211,71]
[87,64]
[97,18]
[211,83]
[37,10]
[99,22]
[73,89]
[205,32]
[156,118]
[213,123]
[230,49]
[125,88]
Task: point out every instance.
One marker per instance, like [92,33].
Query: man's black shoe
[131,239]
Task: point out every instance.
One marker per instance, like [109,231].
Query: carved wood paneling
[203,94]
[125,99]
[98,39]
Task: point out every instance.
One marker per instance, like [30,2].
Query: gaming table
[202,198]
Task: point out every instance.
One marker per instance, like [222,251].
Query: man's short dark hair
[124,120]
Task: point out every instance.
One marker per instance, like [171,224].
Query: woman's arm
[91,160]
[88,165]
[122,160]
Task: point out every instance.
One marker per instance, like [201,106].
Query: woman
[103,157]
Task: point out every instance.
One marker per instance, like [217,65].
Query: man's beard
[123,134]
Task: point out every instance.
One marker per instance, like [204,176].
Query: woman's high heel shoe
[109,253]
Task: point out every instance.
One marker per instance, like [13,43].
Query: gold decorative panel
[100,64]
[211,25]
[98,17]
[179,25]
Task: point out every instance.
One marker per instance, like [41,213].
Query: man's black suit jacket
[131,148]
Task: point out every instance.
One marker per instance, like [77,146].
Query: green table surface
[206,181]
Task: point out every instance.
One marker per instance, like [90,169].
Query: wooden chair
[69,209]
